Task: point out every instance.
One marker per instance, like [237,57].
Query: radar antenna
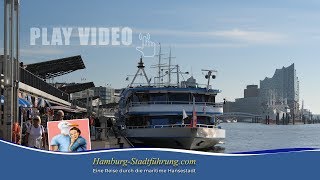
[208,76]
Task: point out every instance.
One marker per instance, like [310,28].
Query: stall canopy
[68,109]
[43,102]
[22,102]
[57,67]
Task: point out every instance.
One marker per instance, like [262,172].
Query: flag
[194,115]
[184,116]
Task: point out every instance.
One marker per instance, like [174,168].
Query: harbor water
[246,137]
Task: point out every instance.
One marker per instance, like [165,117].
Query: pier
[242,117]
[254,118]
[105,137]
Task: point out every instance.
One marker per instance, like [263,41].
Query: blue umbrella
[22,102]
[26,102]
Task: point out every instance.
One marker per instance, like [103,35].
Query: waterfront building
[251,91]
[106,94]
[190,82]
[276,96]
[282,90]
[250,103]
[82,94]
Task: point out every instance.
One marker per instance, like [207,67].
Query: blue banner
[20,162]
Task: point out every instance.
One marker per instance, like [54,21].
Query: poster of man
[69,135]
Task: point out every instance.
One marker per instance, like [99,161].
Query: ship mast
[140,68]
[159,65]
[169,67]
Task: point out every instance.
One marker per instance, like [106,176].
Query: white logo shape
[147,48]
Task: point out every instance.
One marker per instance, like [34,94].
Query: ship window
[143,97]
[199,97]
[158,97]
[178,97]
[135,98]
[167,120]
[159,121]
[140,98]
[203,120]
[206,98]
[137,121]
[211,99]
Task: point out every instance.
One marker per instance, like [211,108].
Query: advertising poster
[69,135]
[159,89]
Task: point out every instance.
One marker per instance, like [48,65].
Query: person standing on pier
[35,136]
[60,115]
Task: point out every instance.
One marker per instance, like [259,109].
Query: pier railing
[171,126]
[220,105]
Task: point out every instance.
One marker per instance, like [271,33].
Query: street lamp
[2,82]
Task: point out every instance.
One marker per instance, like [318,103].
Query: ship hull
[179,138]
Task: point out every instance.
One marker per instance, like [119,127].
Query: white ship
[154,115]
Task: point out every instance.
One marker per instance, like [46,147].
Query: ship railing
[171,126]
[184,85]
[132,104]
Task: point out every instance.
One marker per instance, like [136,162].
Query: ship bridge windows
[210,98]
[199,97]
[204,98]
[179,97]
[171,97]
[140,97]
[158,97]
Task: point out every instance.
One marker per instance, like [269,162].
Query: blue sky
[244,40]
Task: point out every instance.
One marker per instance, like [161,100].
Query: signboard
[69,135]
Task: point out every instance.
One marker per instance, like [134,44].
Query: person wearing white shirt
[35,135]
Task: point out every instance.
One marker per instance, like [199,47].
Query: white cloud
[40,51]
[205,45]
[251,36]
[244,36]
